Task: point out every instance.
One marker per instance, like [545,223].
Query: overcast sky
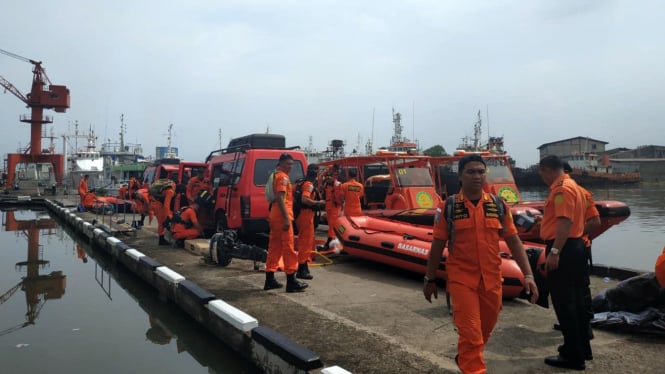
[545,70]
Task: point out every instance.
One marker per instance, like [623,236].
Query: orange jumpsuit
[162,209]
[281,243]
[352,191]
[660,269]
[332,205]
[122,192]
[83,189]
[194,187]
[180,231]
[474,273]
[143,205]
[305,223]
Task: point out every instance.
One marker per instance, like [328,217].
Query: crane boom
[10,87]
[4,297]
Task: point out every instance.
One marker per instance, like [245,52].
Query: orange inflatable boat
[407,246]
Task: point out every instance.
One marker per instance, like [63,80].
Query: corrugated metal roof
[576,137]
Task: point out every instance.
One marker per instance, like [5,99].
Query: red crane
[40,97]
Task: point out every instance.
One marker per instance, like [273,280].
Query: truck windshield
[414,177]
[264,166]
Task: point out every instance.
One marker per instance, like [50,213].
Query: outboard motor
[225,246]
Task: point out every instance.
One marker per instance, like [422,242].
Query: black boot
[163,241]
[324,247]
[271,282]
[303,272]
[142,221]
[294,285]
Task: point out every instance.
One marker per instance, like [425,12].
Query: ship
[399,144]
[123,160]
[83,160]
[590,169]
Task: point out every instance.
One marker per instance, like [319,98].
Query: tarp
[636,304]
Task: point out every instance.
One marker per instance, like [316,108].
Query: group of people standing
[335,197]
[473,265]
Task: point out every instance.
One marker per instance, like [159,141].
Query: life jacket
[297,197]
[450,210]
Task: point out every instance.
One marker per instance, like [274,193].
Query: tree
[435,151]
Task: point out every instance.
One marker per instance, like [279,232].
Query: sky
[539,71]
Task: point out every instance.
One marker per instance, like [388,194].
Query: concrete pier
[356,316]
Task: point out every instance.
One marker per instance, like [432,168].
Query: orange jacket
[331,190]
[565,200]
[83,186]
[195,186]
[281,183]
[122,192]
[352,191]
[189,218]
[166,205]
[475,251]
[660,269]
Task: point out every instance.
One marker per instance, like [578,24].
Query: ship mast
[477,130]
[397,128]
[123,130]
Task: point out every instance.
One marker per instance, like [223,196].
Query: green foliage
[435,151]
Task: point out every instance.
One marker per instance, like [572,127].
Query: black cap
[312,167]
[285,156]
[469,158]
[567,168]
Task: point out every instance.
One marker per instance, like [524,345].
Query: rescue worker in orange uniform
[305,222]
[351,192]
[281,243]
[122,192]
[592,222]
[333,204]
[83,188]
[143,206]
[132,182]
[562,229]
[187,226]
[660,269]
[196,184]
[163,210]
[474,264]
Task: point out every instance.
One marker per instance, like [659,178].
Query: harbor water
[65,308]
[636,242]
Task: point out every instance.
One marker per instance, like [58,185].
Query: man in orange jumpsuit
[351,192]
[562,229]
[660,269]
[122,192]
[305,222]
[143,207]
[188,226]
[162,207]
[280,244]
[474,265]
[331,194]
[83,188]
[196,184]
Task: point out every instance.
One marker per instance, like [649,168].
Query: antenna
[372,140]
[413,120]
[220,138]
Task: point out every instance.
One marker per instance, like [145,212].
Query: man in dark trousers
[567,267]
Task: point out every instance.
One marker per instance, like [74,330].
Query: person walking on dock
[83,188]
[472,232]
[351,193]
[562,229]
[281,242]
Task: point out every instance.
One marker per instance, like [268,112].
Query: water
[76,313]
[636,242]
